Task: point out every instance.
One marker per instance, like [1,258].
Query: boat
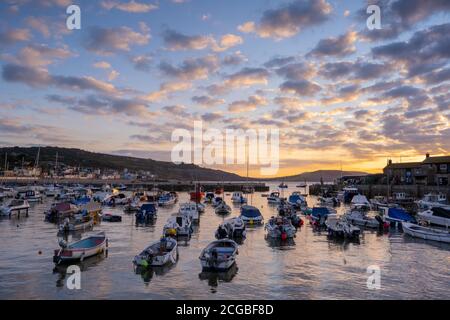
[297,200]
[146,213]
[189,210]
[348,193]
[426,233]
[319,215]
[109,217]
[200,207]
[301,185]
[209,197]
[341,228]
[285,209]
[280,228]
[360,218]
[29,195]
[219,255]
[51,191]
[158,254]
[231,228]
[178,226]
[328,199]
[274,197]
[216,201]
[116,199]
[395,216]
[218,190]
[432,200]
[6,192]
[238,197]
[167,199]
[133,206]
[436,216]
[360,202]
[223,209]
[121,187]
[82,249]
[14,206]
[251,215]
[197,195]
[78,223]
[60,211]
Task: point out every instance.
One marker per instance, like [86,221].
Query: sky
[341,95]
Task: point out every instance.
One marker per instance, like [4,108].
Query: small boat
[179,226]
[209,197]
[116,199]
[432,200]
[223,209]
[348,193]
[158,254]
[301,185]
[147,212]
[360,202]
[283,185]
[167,199]
[297,200]
[200,207]
[251,215]
[132,207]
[231,228]
[360,218]
[238,197]
[329,200]
[60,211]
[426,233]
[79,223]
[280,228]
[341,228]
[29,195]
[436,216]
[395,216]
[319,215]
[82,249]
[121,187]
[198,194]
[216,201]
[274,197]
[109,217]
[14,206]
[6,192]
[189,210]
[219,255]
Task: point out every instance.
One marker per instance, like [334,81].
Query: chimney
[427,155]
[389,162]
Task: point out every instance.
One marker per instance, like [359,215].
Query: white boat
[189,210]
[200,207]
[360,218]
[436,216]
[77,224]
[360,202]
[179,226]
[116,199]
[341,228]
[158,254]
[7,192]
[431,200]
[231,228]
[251,215]
[223,209]
[82,249]
[274,197]
[426,233]
[219,255]
[29,195]
[14,206]
[238,197]
[167,199]
[280,228]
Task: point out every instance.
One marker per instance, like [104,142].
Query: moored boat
[189,210]
[109,217]
[341,228]
[79,223]
[251,215]
[147,212]
[222,209]
[319,215]
[231,228]
[178,226]
[360,218]
[238,197]
[14,206]
[426,233]
[395,216]
[219,255]
[274,197]
[436,216]
[280,228]
[158,254]
[82,249]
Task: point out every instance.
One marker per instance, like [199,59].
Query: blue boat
[147,212]
[167,199]
[297,200]
[319,215]
[251,215]
[396,216]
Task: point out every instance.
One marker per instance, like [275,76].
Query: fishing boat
[231,228]
[78,223]
[426,233]
[29,195]
[328,199]
[360,218]
[158,254]
[395,216]
[251,215]
[82,249]
[222,209]
[274,197]
[285,209]
[167,199]
[280,228]
[436,216]
[179,226]
[432,200]
[146,213]
[14,206]
[360,202]
[319,215]
[238,197]
[110,217]
[189,210]
[341,228]
[219,255]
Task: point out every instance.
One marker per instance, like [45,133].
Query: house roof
[443,159]
[405,165]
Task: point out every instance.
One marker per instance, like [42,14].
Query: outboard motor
[380,222]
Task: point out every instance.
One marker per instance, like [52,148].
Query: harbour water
[313,267]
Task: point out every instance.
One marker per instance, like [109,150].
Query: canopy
[400,214]
[250,212]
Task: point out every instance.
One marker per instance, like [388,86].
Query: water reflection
[147,273]
[214,278]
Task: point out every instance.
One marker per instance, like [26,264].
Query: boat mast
[6,161]
[36,164]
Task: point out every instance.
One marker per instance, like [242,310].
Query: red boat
[218,191]
[197,195]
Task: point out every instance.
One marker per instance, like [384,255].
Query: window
[443,167]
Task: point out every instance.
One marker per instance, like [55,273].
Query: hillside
[326,175]
[77,157]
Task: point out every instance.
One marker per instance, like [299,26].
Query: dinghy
[280,228]
[146,213]
[274,197]
[179,226]
[231,228]
[238,197]
[437,216]
[158,254]
[219,255]
[341,228]
[29,195]
[79,223]
[360,202]
[426,233]
[216,201]
[319,215]
[14,206]
[360,218]
[189,210]
[251,215]
[60,211]
[82,249]
[167,199]
[223,209]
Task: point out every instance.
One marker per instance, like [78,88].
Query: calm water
[311,268]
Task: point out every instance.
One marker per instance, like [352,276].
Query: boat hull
[425,233]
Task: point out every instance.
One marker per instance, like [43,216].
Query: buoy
[283,236]
[39,252]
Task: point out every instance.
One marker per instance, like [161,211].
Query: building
[431,171]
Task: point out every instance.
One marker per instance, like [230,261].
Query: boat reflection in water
[147,273]
[276,243]
[214,277]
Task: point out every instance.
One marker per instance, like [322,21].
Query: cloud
[132,6]
[166,89]
[109,40]
[234,59]
[227,41]
[207,101]
[102,65]
[244,78]
[247,105]
[39,24]
[12,36]
[35,55]
[301,87]
[191,69]
[289,19]
[279,62]
[175,41]
[142,62]
[212,116]
[356,70]
[296,71]
[339,46]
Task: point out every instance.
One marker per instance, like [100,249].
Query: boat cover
[250,211]
[441,212]
[400,214]
[148,207]
[322,211]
